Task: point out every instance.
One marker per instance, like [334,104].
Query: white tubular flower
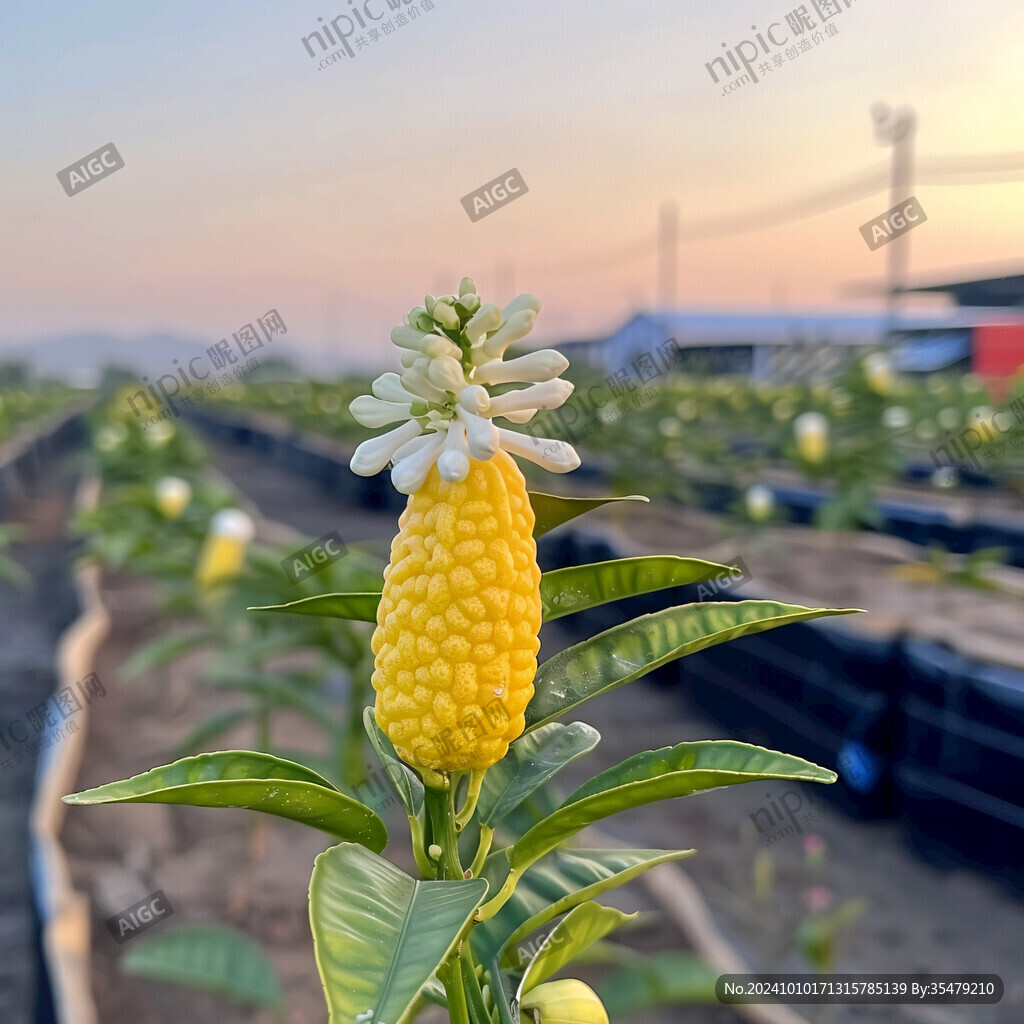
[415,380]
[524,301]
[556,456]
[453,462]
[373,455]
[447,374]
[452,353]
[549,395]
[515,327]
[409,474]
[486,318]
[372,412]
[388,388]
[523,416]
[482,436]
[536,367]
[444,313]
[408,337]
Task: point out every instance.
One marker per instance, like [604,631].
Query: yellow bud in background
[565,1002]
[811,432]
[760,502]
[223,552]
[878,372]
[172,496]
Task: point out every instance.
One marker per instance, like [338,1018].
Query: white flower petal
[409,474]
[436,346]
[520,416]
[408,337]
[549,395]
[372,412]
[373,455]
[453,463]
[409,358]
[517,326]
[388,388]
[415,381]
[481,434]
[475,399]
[411,447]
[556,456]
[534,367]
[524,301]
[444,313]
[447,374]
[467,286]
[487,318]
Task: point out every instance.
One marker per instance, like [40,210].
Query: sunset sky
[253,179]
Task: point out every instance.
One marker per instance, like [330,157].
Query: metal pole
[896,128]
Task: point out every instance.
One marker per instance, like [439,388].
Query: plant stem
[471,982]
[476,781]
[441,812]
[419,849]
[486,835]
[451,978]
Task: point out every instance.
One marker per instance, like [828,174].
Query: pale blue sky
[253,180]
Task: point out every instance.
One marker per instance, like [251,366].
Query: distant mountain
[71,356]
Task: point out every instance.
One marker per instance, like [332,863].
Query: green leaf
[530,762]
[405,780]
[245,778]
[551,510]
[208,957]
[581,927]
[624,653]
[562,880]
[379,935]
[663,979]
[564,591]
[660,775]
[361,606]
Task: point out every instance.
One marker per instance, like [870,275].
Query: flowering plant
[466,723]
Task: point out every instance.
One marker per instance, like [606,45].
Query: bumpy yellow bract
[457,626]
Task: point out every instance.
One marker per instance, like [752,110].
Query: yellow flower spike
[564,1002]
[223,552]
[458,622]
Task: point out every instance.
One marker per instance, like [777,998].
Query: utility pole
[896,127]
[668,247]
